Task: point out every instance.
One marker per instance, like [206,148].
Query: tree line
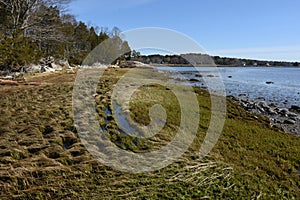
[204,59]
[35,29]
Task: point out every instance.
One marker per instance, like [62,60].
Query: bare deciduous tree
[27,13]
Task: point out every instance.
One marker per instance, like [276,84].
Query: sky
[255,29]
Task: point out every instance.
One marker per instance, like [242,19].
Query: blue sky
[258,29]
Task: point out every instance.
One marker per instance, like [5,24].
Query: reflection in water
[123,123]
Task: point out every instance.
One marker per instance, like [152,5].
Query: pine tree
[93,38]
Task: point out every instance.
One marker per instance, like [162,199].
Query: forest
[204,59]
[31,30]
[34,29]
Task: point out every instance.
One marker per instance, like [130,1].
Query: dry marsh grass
[41,156]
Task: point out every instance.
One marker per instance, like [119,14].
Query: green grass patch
[41,156]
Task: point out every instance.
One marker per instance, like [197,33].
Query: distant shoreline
[189,65]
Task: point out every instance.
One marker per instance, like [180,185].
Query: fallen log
[9,82]
[33,83]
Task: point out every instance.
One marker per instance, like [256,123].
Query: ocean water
[248,82]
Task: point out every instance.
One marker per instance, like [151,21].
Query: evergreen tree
[103,36]
[32,29]
[93,38]
[81,37]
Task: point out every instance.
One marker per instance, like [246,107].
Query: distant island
[204,59]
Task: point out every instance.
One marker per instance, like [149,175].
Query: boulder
[273,105]
[47,61]
[261,99]
[64,64]
[56,67]
[295,108]
[283,111]
[34,69]
[290,114]
[194,80]
[233,97]
[5,73]
[47,69]
[18,77]
[289,121]
[272,112]
[264,105]
[7,78]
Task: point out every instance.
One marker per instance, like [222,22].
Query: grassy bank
[41,156]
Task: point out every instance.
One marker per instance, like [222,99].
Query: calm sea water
[250,82]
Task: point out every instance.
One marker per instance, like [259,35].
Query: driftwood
[8,82]
[34,83]
[16,83]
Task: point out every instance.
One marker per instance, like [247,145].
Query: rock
[5,73]
[273,105]
[199,75]
[289,121]
[34,69]
[7,78]
[18,77]
[229,76]
[290,114]
[269,82]
[64,64]
[261,99]
[264,105]
[295,108]
[277,121]
[47,69]
[294,118]
[194,80]
[283,111]
[262,110]
[47,61]
[277,126]
[210,76]
[233,97]
[56,67]
[272,112]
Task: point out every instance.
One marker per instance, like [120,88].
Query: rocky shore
[284,119]
[287,120]
[45,65]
